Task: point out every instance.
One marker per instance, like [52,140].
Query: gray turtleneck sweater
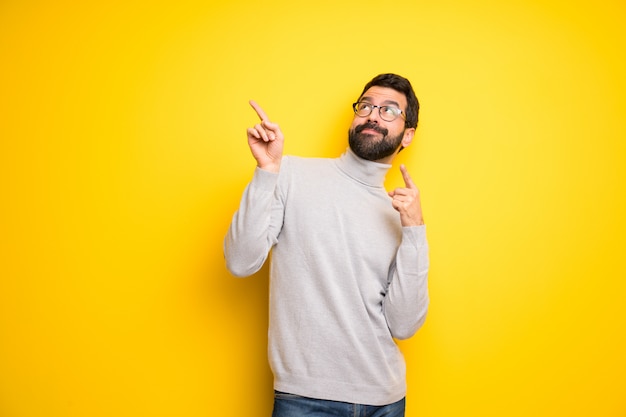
[345,277]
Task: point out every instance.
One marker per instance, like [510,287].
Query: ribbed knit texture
[345,276]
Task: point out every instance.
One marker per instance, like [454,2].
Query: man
[349,263]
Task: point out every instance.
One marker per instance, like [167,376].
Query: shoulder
[298,163]
[306,171]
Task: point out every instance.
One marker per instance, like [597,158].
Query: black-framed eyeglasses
[387,113]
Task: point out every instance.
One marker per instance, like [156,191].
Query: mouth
[370,129]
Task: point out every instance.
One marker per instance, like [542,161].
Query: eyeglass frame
[380,110]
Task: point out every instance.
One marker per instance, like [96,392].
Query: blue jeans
[290,405]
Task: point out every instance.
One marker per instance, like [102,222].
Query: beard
[366,146]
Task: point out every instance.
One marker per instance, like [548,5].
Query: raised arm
[256,224]
[406,302]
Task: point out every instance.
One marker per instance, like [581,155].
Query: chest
[342,217]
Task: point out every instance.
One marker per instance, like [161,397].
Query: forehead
[384,95]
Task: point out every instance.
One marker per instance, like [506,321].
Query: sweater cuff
[415,234]
[264,180]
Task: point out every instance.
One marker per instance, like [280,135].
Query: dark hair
[402,85]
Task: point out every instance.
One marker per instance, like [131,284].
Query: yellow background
[123,156]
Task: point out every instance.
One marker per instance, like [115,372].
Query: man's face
[372,138]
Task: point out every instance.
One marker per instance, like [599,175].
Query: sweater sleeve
[255,225]
[406,302]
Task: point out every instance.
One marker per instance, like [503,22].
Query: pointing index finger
[407,178]
[259,111]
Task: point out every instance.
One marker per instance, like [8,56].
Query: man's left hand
[406,200]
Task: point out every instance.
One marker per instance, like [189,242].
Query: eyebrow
[385,103]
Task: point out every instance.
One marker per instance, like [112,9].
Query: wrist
[411,222]
[275,168]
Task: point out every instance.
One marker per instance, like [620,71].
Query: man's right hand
[266,141]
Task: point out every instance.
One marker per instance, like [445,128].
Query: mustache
[373,126]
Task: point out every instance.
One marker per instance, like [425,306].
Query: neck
[371,173]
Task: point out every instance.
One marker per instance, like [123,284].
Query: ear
[408,137]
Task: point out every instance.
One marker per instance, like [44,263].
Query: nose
[374,116]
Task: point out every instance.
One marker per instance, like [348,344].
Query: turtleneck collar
[366,172]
